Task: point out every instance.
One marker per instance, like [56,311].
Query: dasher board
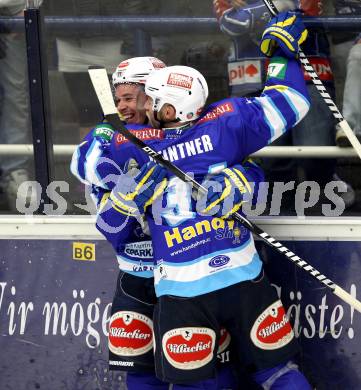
[293,228]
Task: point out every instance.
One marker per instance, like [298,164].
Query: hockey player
[203,275]
[134,295]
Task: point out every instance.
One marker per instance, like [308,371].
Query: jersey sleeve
[92,161]
[284,102]
[115,225]
[253,176]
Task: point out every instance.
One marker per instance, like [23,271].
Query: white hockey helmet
[135,70]
[181,86]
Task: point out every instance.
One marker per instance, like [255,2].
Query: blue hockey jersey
[195,254]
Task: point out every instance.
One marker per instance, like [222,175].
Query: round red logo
[130,334]
[123,64]
[224,340]
[272,330]
[189,348]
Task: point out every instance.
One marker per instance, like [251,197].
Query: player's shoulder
[220,109]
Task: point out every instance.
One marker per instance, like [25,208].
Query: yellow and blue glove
[227,191]
[285,31]
[137,189]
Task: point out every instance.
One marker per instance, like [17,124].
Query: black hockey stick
[322,90]
[100,81]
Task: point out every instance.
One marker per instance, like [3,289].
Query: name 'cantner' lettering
[188,148]
[178,236]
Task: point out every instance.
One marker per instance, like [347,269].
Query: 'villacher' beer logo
[272,329]
[189,348]
[130,334]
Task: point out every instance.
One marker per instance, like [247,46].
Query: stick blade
[99,78]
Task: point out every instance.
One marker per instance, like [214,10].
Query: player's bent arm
[237,21]
[111,221]
[285,100]
[92,161]
[283,103]
[230,188]
[134,191]
[254,175]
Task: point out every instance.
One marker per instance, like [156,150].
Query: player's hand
[285,31]
[135,191]
[226,192]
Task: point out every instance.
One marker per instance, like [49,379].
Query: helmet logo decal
[157,64]
[180,80]
[123,64]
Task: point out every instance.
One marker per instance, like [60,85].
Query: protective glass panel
[80,33]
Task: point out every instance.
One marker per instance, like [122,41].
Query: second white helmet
[181,86]
[135,70]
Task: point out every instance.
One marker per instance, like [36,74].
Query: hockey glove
[135,191]
[226,192]
[286,31]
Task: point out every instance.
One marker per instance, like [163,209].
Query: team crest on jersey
[143,134]
[272,329]
[104,131]
[224,340]
[180,80]
[189,348]
[130,333]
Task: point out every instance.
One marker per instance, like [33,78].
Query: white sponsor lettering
[273,328]
[140,250]
[121,332]
[184,348]
[122,364]
[188,149]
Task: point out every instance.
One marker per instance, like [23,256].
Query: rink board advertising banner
[55,300]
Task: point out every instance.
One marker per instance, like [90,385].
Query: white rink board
[285,228]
